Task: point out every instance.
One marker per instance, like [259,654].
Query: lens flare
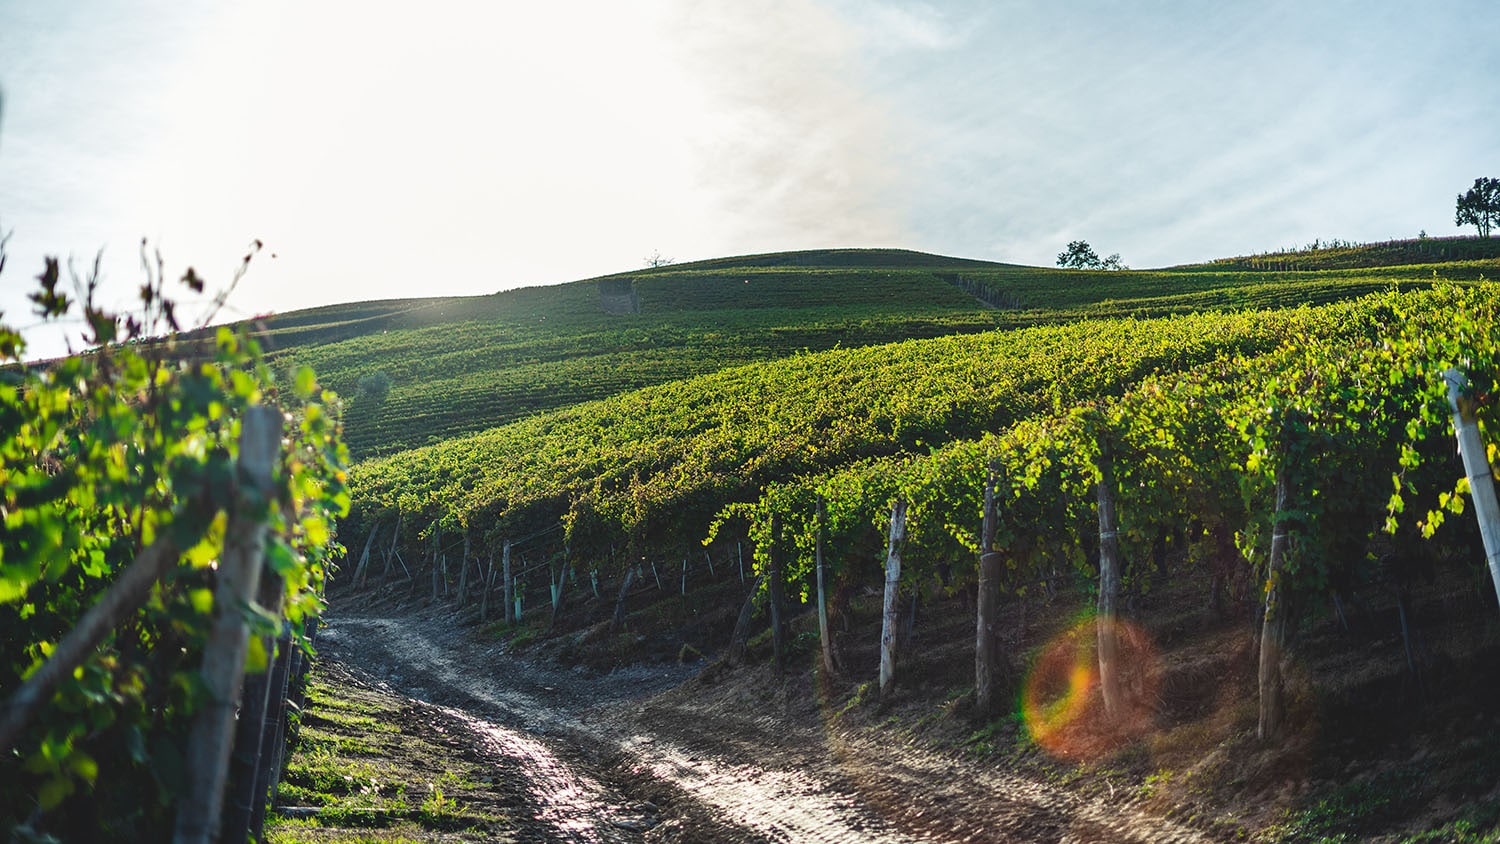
[1061,700]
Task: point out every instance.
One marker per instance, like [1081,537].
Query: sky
[385,150]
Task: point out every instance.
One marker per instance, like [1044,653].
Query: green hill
[462,365]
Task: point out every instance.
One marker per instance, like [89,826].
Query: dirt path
[610,757]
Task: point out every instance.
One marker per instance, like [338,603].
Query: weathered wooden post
[509,584]
[986,639]
[777,586]
[892,590]
[1275,629]
[463,572]
[254,731]
[362,569]
[829,666]
[489,584]
[237,580]
[618,618]
[391,552]
[1109,584]
[1477,470]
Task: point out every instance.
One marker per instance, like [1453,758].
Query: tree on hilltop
[1480,207]
[1081,256]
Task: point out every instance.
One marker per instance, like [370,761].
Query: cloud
[798,151]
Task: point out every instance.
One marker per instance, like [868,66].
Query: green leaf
[53,792]
[256,658]
[304,382]
[83,766]
[202,600]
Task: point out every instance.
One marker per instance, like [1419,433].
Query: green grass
[367,766]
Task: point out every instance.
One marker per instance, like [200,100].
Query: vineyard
[496,359]
[1308,449]
[906,471]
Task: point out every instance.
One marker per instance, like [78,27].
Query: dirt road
[629,756]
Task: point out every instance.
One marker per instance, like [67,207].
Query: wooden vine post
[489,584]
[391,552]
[463,572]
[1477,470]
[290,661]
[618,619]
[892,589]
[1276,627]
[236,583]
[739,641]
[251,730]
[986,641]
[361,571]
[510,617]
[776,593]
[1107,620]
[437,551]
[830,664]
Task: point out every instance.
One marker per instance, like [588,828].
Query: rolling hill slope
[462,365]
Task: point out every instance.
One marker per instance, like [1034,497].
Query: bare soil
[593,735]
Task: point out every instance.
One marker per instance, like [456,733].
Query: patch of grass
[1154,783]
[365,760]
[863,693]
[1007,733]
[353,721]
[1480,824]
[1354,810]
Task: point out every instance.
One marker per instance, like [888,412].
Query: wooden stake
[1276,626]
[509,584]
[489,585]
[776,582]
[1477,470]
[252,728]
[619,617]
[829,666]
[739,641]
[892,589]
[361,570]
[1107,621]
[986,636]
[236,582]
[463,572]
[391,552]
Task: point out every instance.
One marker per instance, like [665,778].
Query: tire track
[758,779]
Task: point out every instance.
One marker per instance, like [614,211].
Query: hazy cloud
[801,152]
